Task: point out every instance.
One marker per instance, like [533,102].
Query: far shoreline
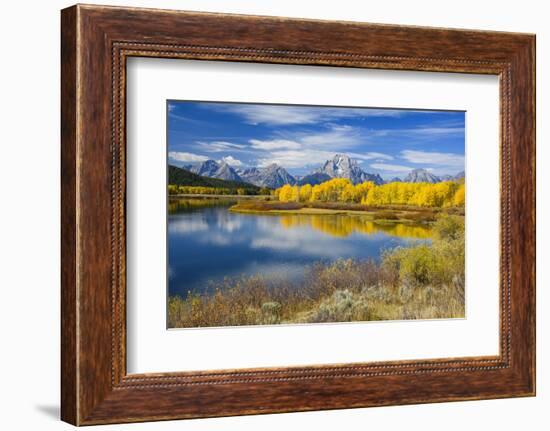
[218,196]
[370,215]
[383,214]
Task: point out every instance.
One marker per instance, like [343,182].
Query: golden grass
[344,291]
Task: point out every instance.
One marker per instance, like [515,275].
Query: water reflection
[185,205]
[207,242]
[343,225]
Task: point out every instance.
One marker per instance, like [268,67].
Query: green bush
[418,265]
[412,265]
[439,263]
[449,227]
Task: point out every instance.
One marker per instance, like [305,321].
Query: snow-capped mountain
[421,176]
[206,169]
[274,176]
[226,172]
[250,175]
[342,166]
[213,169]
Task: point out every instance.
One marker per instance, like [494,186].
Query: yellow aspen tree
[460,196]
[285,193]
[305,193]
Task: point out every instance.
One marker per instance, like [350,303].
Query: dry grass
[344,291]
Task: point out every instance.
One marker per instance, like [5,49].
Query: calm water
[207,242]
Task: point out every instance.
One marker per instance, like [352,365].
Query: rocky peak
[206,168]
[343,166]
[421,176]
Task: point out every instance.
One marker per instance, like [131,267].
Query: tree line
[444,194]
[174,189]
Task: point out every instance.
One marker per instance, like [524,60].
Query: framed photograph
[298,215]
[265,215]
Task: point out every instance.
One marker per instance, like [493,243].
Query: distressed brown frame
[95,43]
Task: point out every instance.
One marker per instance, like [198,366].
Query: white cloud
[369,155]
[299,149]
[231,161]
[433,158]
[305,155]
[418,132]
[274,144]
[373,112]
[273,114]
[295,158]
[341,127]
[219,146]
[186,157]
[334,139]
[289,115]
[437,130]
[390,167]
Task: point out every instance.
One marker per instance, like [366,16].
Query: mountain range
[274,176]
[342,166]
[184,177]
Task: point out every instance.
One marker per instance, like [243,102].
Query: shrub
[449,227]
[418,265]
[271,313]
[342,306]
[423,264]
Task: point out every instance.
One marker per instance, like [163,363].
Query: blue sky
[390,142]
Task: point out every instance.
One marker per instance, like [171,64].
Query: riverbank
[218,196]
[379,214]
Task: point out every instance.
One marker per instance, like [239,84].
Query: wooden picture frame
[95,43]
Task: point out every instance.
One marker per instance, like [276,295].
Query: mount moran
[274,176]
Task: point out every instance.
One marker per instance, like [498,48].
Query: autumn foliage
[174,189]
[444,194]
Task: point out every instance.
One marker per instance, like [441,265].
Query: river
[207,242]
